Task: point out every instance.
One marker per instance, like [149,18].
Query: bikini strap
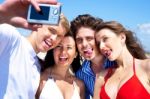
[133,65]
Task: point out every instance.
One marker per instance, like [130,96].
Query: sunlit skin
[114,48]
[109,43]
[46,37]
[65,52]
[86,43]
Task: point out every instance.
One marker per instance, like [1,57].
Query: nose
[84,43]
[64,50]
[101,46]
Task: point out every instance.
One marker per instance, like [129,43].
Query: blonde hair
[64,22]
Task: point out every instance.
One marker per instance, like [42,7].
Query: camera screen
[42,15]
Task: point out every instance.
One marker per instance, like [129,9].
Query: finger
[35,4]
[47,1]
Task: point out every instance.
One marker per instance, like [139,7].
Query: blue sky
[133,14]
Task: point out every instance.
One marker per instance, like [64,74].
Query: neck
[125,58]
[61,72]
[31,38]
[97,63]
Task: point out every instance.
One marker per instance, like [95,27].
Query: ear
[75,55]
[123,37]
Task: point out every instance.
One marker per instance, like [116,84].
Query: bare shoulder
[146,65]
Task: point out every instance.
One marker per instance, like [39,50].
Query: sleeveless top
[131,89]
[52,91]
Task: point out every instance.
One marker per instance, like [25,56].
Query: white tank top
[51,91]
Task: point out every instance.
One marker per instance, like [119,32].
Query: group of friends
[86,58]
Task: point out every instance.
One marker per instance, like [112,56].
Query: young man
[20,69]
[84,27]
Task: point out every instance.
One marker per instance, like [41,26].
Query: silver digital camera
[49,14]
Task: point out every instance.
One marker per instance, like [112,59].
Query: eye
[53,31]
[105,39]
[59,37]
[89,38]
[79,40]
[58,47]
[69,47]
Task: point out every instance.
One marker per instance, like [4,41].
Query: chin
[89,58]
[111,58]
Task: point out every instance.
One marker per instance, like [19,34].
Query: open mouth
[48,44]
[63,59]
[107,53]
[88,52]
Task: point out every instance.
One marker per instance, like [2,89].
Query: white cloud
[144,28]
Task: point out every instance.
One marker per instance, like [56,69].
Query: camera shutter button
[55,11]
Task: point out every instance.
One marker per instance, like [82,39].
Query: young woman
[131,78]
[57,82]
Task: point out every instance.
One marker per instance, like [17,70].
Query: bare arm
[82,93]
[15,12]
[81,88]
[98,84]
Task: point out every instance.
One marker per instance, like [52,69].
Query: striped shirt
[86,74]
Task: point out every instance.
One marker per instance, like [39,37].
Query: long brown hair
[132,43]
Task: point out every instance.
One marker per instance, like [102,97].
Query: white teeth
[62,58]
[48,43]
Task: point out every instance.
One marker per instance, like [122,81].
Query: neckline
[74,87]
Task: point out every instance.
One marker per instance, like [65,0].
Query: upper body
[17,17]
[19,63]
[86,74]
[56,73]
[131,78]
[84,28]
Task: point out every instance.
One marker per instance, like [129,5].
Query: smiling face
[109,43]
[48,37]
[65,52]
[86,44]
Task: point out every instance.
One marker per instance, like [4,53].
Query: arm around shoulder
[81,86]
[98,84]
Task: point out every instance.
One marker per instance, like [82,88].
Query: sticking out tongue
[89,51]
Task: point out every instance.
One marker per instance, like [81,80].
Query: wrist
[3,14]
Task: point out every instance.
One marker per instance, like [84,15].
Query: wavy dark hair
[49,58]
[85,20]
[132,43]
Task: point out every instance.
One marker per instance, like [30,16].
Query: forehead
[105,32]
[58,28]
[68,40]
[83,32]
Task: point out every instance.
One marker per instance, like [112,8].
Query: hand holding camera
[14,12]
[49,14]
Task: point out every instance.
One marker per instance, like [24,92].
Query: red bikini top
[131,89]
